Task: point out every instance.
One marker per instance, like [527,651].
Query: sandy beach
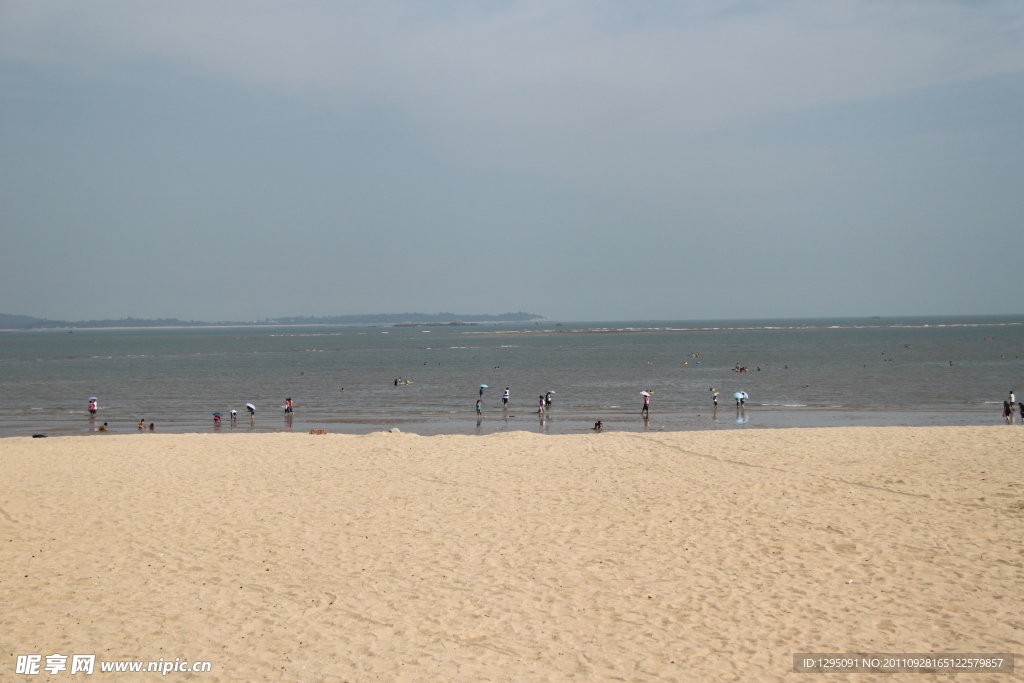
[687,556]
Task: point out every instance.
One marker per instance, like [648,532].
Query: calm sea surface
[806,373]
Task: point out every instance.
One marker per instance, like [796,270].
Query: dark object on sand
[39,436]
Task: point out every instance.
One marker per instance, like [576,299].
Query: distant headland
[26,322]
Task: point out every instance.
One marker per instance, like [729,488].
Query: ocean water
[807,373]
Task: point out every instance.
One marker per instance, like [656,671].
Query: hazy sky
[584,160]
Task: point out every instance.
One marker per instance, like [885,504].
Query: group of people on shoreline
[1010,407]
[544,403]
[289,409]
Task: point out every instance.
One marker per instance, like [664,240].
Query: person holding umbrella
[646,410]
[92,406]
[482,387]
[252,410]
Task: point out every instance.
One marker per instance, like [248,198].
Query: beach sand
[694,556]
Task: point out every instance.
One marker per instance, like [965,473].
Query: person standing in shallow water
[714,396]
[504,399]
[1007,415]
[646,410]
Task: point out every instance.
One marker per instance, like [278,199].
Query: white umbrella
[249,405]
[645,393]
[92,398]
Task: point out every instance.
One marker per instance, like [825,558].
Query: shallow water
[800,373]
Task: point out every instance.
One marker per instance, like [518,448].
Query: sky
[583,160]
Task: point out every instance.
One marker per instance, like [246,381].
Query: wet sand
[682,556]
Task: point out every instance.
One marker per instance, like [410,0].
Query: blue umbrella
[484,386]
[216,414]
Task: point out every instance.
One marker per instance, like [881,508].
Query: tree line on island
[26,322]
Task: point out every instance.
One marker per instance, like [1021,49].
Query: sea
[797,373]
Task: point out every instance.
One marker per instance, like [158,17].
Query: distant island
[26,322]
